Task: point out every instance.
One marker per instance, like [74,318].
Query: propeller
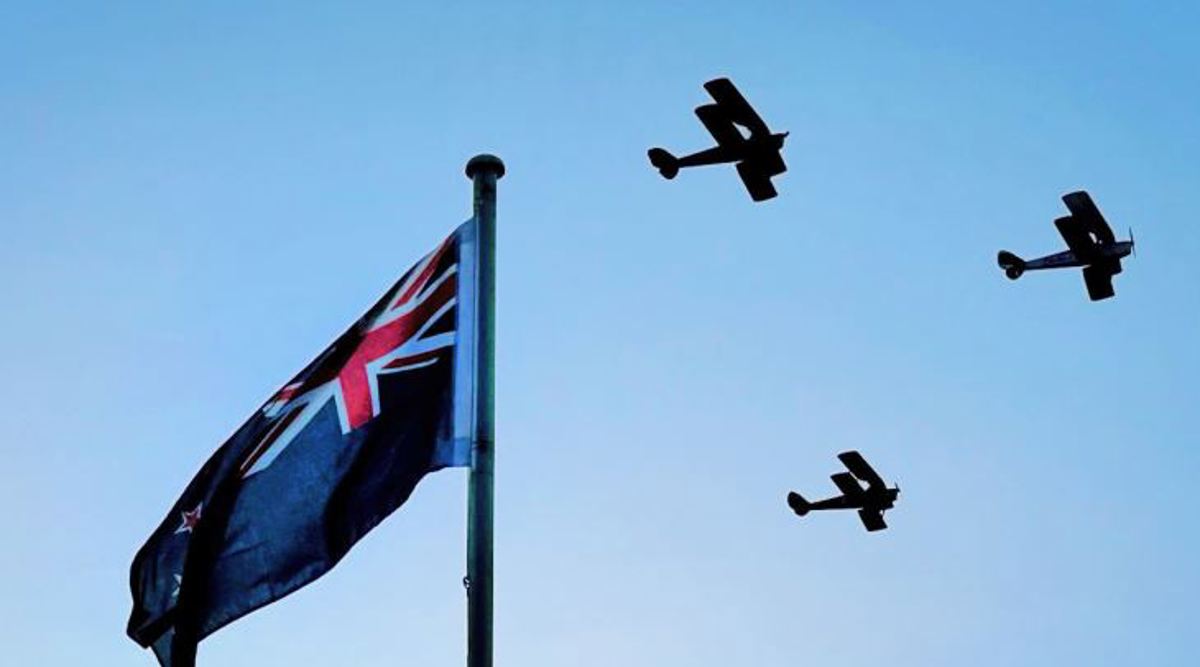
[1132,245]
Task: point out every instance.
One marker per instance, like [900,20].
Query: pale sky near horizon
[196,198]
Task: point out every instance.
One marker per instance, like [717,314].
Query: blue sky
[197,198]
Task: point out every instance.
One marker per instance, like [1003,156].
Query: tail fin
[1013,266]
[666,163]
[798,504]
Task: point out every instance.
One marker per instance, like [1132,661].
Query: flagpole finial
[485,163]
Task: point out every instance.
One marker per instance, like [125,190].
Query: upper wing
[872,519]
[718,123]
[1082,207]
[1098,278]
[1077,237]
[847,484]
[756,180]
[735,106]
[856,464]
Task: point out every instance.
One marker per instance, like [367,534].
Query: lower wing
[872,519]
[756,181]
[1098,278]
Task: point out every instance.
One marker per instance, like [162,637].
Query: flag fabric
[322,462]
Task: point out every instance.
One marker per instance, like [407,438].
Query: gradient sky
[197,197]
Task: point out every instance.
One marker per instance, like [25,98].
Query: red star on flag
[190,519]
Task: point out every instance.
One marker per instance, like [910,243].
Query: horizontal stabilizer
[1013,266]
[666,163]
[798,504]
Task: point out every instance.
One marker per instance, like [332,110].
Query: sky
[197,197]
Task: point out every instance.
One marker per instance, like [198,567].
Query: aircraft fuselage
[766,148]
[1068,258]
[881,501]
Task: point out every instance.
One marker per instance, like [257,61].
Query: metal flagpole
[484,170]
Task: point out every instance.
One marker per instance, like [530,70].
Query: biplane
[871,501]
[757,155]
[1091,244]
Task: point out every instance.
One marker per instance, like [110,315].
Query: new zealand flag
[328,457]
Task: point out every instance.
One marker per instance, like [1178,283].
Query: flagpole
[484,170]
